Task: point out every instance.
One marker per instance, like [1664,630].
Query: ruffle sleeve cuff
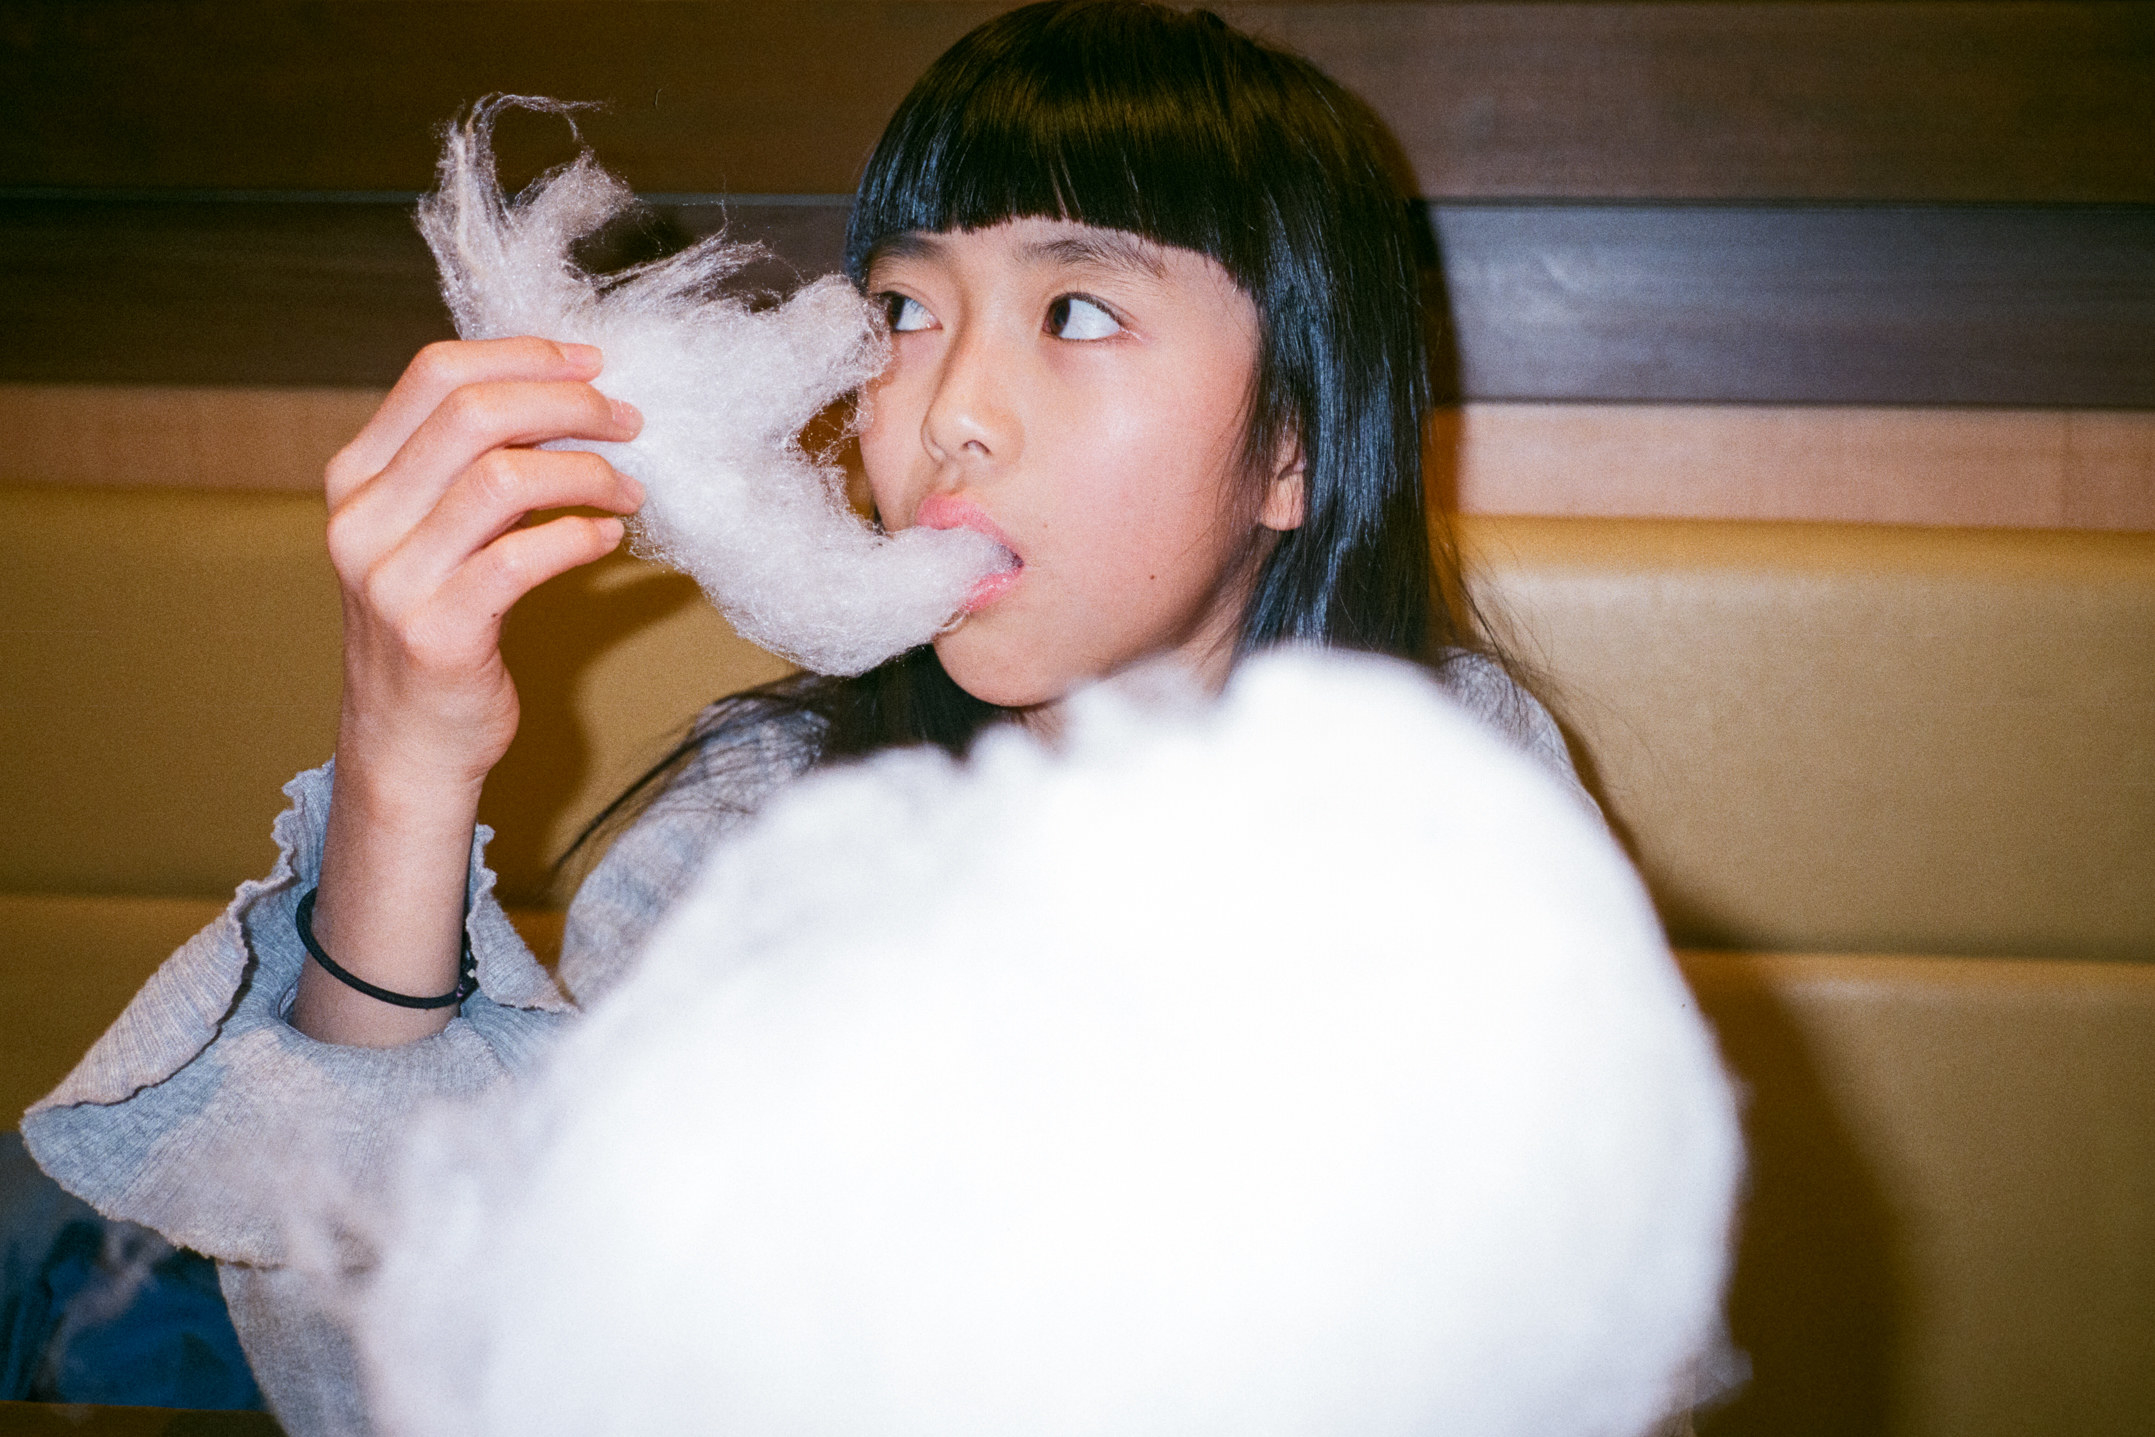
[201,1112]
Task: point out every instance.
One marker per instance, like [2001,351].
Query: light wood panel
[181,436]
[2014,468]
[2037,468]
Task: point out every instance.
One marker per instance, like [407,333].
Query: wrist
[404,786]
[391,890]
[417,736]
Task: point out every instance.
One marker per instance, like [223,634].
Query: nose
[971,422]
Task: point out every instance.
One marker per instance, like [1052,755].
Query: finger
[463,428]
[435,373]
[493,579]
[495,494]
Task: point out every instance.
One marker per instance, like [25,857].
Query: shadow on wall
[1819,1297]
[551,641]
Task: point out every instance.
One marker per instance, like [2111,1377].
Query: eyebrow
[1114,250]
[1102,249]
[907,244]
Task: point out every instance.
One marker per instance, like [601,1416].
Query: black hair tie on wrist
[467,971]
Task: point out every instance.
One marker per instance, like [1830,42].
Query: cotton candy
[1309,1063]
[725,389]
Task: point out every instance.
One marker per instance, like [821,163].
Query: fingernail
[583,356]
[627,415]
[635,490]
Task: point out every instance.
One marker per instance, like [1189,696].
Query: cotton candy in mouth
[991,588]
[734,501]
[951,513]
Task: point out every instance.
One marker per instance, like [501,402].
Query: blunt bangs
[1083,113]
[1173,126]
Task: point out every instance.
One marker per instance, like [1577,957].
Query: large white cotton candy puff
[1309,1064]
[725,389]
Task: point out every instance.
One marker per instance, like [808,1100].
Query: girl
[1157,330]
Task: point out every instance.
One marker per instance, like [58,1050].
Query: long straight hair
[1174,126]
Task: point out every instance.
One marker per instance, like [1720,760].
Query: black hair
[1174,126]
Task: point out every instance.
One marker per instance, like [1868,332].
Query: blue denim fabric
[93,1311]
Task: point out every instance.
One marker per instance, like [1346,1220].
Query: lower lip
[988,590]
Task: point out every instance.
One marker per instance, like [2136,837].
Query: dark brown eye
[904,313]
[1073,316]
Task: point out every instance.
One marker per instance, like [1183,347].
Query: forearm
[170,1118]
[390,904]
[427,534]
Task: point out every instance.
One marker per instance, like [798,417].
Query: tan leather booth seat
[1918,765]
[172,659]
[1857,738]
[1818,737]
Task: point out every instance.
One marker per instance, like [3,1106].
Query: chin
[990,672]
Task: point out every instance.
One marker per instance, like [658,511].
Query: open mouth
[988,590]
[947,511]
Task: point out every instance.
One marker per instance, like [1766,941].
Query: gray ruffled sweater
[202,1112]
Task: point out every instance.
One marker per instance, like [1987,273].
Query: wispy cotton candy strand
[734,501]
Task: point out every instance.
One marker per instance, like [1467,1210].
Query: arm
[426,508]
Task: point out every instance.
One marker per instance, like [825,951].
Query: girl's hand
[425,509]
[423,512]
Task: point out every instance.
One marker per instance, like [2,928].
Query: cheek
[883,454]
[1163,478]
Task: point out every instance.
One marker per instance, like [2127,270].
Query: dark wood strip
[2022,306]
[309,293]
[257,94]
[1747,101]
[1897,305]
[1967,101]
[213,293]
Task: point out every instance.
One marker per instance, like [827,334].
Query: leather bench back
[1857,738]
[1817,737]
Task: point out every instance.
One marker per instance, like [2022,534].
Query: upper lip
[948,511]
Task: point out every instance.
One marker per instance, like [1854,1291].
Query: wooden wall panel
[2019,468]
[213,293]
[1785,304]
[1911,101]
[1769,304]
[2014,468]
[257,94]
[178,233]
[299,292]
[198,436]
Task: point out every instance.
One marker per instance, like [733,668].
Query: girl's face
[1080,395]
